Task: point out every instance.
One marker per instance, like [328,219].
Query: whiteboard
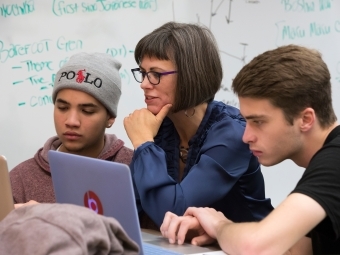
[38,36]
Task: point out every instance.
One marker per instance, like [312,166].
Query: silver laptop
[106,187]
[6,198]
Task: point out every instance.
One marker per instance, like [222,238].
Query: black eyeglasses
[153,77]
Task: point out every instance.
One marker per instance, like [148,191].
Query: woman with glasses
[188,147]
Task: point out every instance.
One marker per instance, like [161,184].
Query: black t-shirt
[321,182]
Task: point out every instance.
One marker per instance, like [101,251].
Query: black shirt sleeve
[321,182]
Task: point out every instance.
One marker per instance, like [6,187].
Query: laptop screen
[6,198]
[105,187]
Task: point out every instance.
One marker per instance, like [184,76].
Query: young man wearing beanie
[85,95]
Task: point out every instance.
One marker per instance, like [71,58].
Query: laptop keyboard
[150,249]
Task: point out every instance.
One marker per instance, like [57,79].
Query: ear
[308,119]
[110,122]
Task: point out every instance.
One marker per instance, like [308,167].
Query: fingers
[176,228]
[191,211]
[169,226]
[198,211]
[166,222]
[145,113]
[163,112]
[203,239]
[187,223]
[138,127]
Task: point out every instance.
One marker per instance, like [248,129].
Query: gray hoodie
[62,229]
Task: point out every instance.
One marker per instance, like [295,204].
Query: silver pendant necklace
[183,154]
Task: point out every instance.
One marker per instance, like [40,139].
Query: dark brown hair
[292,78]
[193,50]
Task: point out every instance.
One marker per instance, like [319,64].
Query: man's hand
[210,221]
[184,227]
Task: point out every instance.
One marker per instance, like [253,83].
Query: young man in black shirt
[285,96]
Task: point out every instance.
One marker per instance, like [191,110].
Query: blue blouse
[220,172]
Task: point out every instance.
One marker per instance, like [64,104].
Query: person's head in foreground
[86,93]
[285,96]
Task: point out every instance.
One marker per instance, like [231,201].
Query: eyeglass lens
[153,77]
